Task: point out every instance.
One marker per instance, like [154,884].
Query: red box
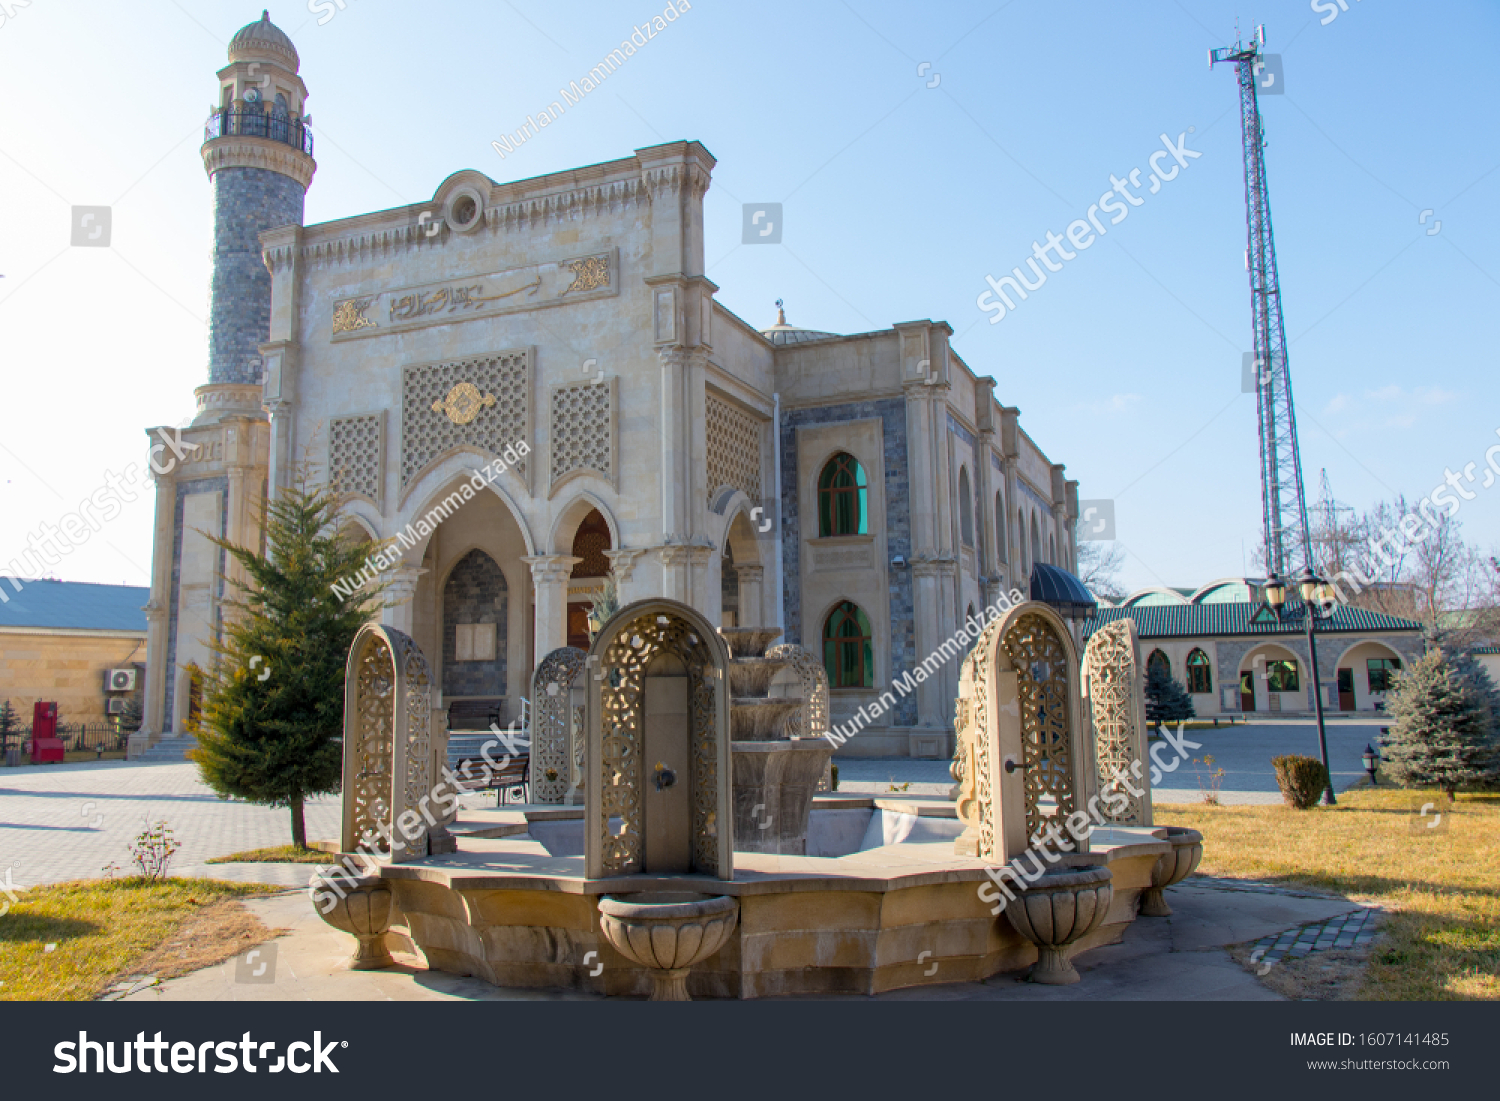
[46,746]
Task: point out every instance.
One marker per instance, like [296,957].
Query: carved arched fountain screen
[387,745]
[557,734]
[657,793]
[1112,678]
[812,720]
[1020,737]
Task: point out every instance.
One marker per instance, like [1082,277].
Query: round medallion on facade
[465,210]
[463,403]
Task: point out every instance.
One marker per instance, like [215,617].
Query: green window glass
[1159,660]
[1282,676]
[1382,673]
[848,648]
[843,497]
[1199,673]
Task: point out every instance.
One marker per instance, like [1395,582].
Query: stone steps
[169,749]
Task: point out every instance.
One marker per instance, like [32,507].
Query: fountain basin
[360,906]
[1172,868]
[761,719]
[774,783]
[1062,907]
[669,932]
[749,642]
[752,676]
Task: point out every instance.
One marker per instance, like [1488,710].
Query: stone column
[281,445]
[549,577]
[752,607]
[622,569]
[926,600]
[401,586]
[674,572]
[153,712]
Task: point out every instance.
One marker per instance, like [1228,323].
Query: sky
[916,149]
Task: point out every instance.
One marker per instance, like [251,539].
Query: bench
[475,714]
[511,771]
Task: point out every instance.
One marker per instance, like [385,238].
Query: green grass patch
[68,941]
[1440,883]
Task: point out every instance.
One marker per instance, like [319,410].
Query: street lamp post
[1314,598]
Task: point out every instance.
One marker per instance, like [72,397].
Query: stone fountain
[774,777]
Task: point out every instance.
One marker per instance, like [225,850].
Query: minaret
[211,477]
[258,154]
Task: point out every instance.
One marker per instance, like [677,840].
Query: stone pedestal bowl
[668,932]
[360,906]
[1061,907]
[1172,868]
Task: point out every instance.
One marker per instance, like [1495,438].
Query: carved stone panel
[733,438]
[387,746]
[356,456]
[1113,678]
[555,741]
[583,429]
[616,770]
[812,720]
[482,402]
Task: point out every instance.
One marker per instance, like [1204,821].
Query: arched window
[1052,550]
[848,648]
[1021,545]
[1036,541]
[1199,673]
[1001,552]
[590,542]
[969,615]
[1159,660]
[843,497]
[965,508]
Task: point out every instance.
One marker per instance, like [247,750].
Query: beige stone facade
[569,316]
[67,667]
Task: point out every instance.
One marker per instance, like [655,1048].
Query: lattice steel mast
[1287,539]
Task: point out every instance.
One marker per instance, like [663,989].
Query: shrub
[1166,700]
[1302,779]
[152,850]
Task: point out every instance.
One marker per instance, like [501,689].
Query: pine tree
[1167,701]
[9,726]
[1442,734]
[273,702]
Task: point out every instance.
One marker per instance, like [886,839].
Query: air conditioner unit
[120,680]
[115,706]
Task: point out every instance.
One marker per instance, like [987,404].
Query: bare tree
[1099,566]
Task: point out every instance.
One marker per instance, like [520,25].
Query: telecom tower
[1287,540]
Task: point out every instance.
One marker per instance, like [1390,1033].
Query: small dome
[261,39]
[782,333]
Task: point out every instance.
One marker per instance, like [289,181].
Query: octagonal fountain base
[519,913]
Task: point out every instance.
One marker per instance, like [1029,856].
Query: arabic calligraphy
[411,306]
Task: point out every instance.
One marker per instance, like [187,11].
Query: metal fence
[76,737]
[253,123]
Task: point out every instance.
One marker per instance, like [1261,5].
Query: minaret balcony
[246,122]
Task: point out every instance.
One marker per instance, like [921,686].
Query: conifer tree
[1167,701]
[273,702]
[1442,733]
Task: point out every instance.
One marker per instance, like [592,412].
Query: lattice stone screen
[615,765]
[582,429]
[482,402]
[812,720]
[1112,677]
[556,733]
[387,746]
[356,454]
[1020,734]
[733,448]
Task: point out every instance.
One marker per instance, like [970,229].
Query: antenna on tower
[1283,501]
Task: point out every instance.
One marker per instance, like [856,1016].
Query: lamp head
[1275,592]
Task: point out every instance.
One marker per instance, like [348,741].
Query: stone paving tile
[1354,929]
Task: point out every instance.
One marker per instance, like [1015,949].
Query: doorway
[1247,690]
[1346,690]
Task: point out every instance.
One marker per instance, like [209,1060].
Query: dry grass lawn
[1440,885]
[71,941]
[282,854]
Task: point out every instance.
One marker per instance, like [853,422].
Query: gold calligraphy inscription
[411,306]
[463,403]
[349,315]
[588,274]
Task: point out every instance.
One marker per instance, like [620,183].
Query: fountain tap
[665,777]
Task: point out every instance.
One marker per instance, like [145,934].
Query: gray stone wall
[903,643]
[475,593]
[247,201]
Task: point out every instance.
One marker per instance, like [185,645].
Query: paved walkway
[1181,958]
[1244,752]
